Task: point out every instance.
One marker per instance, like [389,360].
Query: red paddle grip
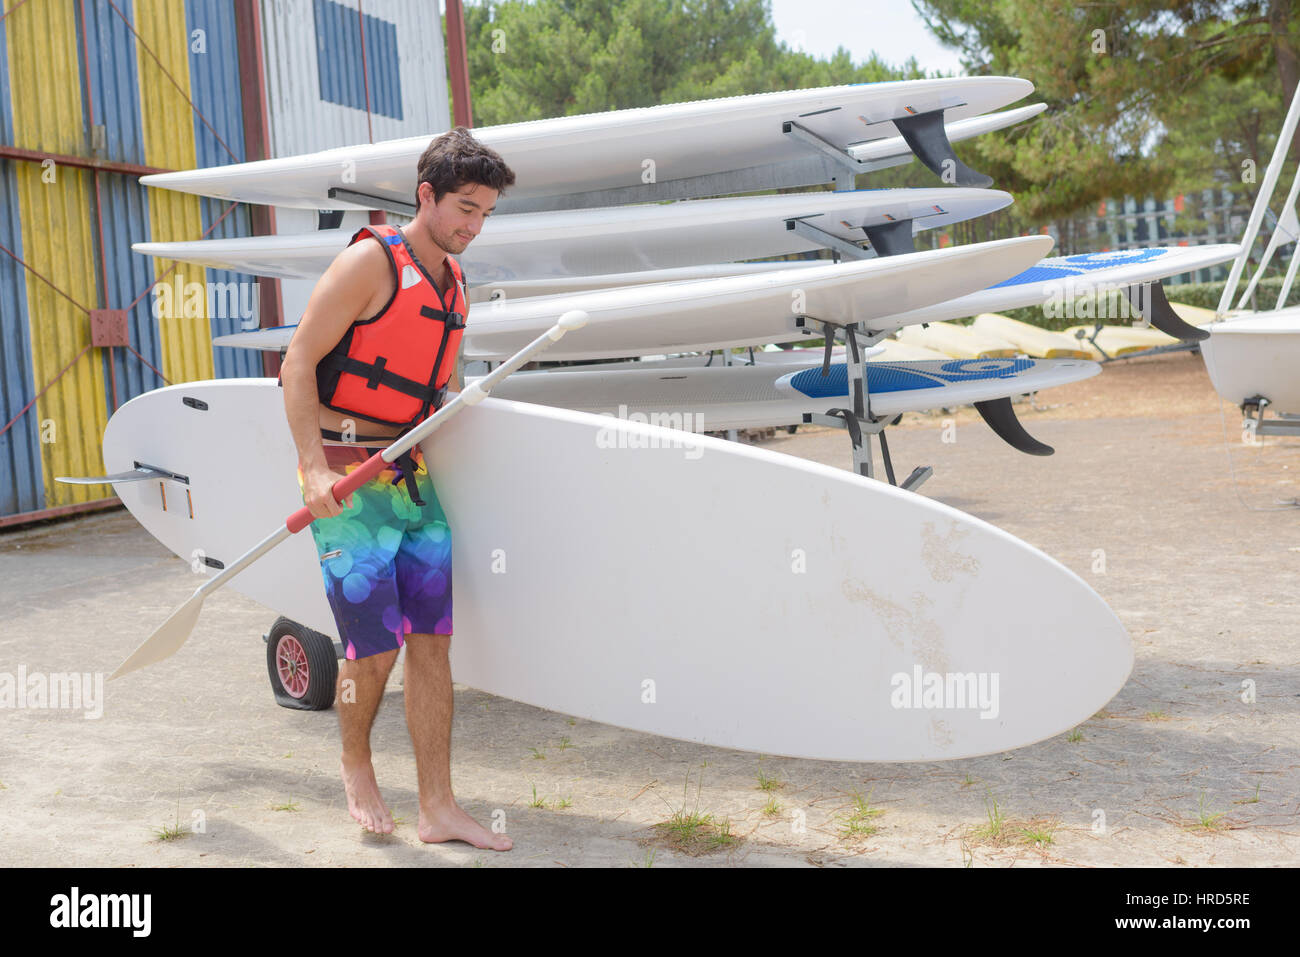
[342,489]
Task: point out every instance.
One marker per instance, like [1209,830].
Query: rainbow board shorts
[386,561]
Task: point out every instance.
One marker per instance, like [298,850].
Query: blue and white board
[1049,283]
[761,396]
[1057,282]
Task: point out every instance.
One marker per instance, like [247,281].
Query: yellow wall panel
[44,69]
[168,121]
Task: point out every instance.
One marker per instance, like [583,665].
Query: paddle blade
[166,640]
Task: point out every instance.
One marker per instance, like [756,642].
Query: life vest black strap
[376,375]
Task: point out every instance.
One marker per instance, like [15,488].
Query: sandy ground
[1200,566]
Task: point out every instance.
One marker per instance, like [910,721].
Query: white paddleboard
[1256,355]
[760,396]
[562,244]
[1057,279]
[618,148]
[629,584]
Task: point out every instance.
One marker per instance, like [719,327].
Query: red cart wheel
[303,666]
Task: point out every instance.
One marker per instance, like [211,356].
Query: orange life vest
[394,367]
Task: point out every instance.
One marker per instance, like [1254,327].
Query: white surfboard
[760,396]
[1051,282]
[562,244]
[752,309]
[620,578]
[619,148]
[1256,355]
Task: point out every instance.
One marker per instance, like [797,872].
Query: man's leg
[428,717]
[358,703]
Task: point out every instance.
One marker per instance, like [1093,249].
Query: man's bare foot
[450,823]
[364,803]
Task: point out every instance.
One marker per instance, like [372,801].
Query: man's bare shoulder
[359,261]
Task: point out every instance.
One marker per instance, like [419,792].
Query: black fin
[1001,418]
[928,139]
[891,239]
[1149,299]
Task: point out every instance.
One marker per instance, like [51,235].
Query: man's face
[458,217]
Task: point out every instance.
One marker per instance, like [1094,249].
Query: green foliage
[1145,97]
[546,58]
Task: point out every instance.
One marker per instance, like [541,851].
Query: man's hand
[317,494]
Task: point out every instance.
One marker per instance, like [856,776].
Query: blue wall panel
[338,60]
[216,91]
[21,486]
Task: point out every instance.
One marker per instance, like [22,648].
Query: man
[374,354]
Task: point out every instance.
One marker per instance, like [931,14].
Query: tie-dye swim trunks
[391,576]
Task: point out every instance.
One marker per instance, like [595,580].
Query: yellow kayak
[1120,340]
[959,342]
[1030,339]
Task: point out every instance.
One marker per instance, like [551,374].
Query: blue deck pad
[1067,267]
[905,376]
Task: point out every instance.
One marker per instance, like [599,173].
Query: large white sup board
[618,148]
[760,396]
[750,309]
[1256,355]
[591,242]
[603,570]
[1051,283]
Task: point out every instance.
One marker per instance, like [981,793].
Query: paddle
[173,632]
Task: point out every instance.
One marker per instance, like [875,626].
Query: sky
[889,27]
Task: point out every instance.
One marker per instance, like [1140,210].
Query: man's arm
[339,299]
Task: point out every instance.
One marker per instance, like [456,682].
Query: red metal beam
[257,145]
[84,162]
[61,511]
[458,62]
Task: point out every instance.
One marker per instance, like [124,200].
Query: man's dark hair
[456,158]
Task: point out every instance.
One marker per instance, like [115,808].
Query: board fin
[141,473]
[1001,418]
[1149,299]
[891,239]
[928,139]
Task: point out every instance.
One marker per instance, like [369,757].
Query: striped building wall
[45,100]
[21,476]
[159,84]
